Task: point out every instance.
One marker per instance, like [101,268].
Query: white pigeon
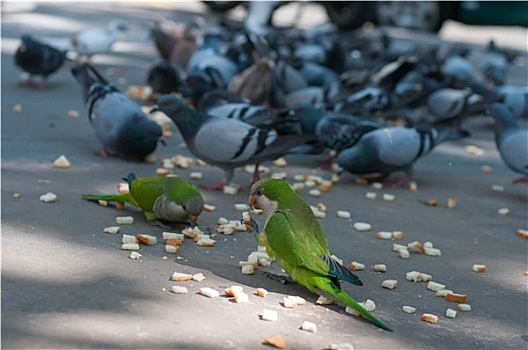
[96,40]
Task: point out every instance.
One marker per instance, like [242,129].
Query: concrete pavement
[66,284]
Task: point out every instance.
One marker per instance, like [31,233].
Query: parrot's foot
[281,278]
[251,225]
[160,224]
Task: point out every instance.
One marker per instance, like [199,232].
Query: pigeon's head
[117,26]
[352,159]
[170,105]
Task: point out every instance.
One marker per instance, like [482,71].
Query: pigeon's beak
[154,108]
[192,219]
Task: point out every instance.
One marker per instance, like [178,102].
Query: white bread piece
[371,195]
[397,235]
[129,239]
[49,197]
[416,247]
[435,286]
[241,207]
[296,299]
[356,266]
[288,303]
[362,226]
[404,253]
[380,268]
[179,290]
[443,292]
[429,318]
[172,235]
[521,233]
[172,249]
[389,284]
[233,290]
[198,277]
[340,346]
[261,292]
[451,313]
[209,207]
[396,247]
[413,276]
[178,276]
[343,214]
[276,341]
[479,268]
[309,327]
[205,241]
[387,197]
[456,298]
[464,307]
[322,300]
[384,235]
[124,220]
[134,255]
[208,292]
[62,162]
[432,251]
[241,298]
[269,315]
[409,309]
[130,246]
[111,229]
[248,269]
[195,175]
[147,239]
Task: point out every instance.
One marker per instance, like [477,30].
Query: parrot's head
[266,194]
[193,205]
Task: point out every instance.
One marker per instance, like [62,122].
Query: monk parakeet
[170,199]
[295,238]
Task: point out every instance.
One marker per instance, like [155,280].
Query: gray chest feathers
[168,210]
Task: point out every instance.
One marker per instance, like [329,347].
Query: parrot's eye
[259,192]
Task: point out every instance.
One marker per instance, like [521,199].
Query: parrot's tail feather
[332,289]
[120,197]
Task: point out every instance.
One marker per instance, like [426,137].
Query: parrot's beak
[192,219]
[253,204]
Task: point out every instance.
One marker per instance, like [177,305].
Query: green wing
[146,190]
[296,242]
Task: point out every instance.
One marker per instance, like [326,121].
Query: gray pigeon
[93,41]
[448,105]
[120,125]
[511,140]
[224,142]
[386,150]
[494,64]
[37,58]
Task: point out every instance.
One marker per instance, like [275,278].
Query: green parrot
[168,198]
[295,238]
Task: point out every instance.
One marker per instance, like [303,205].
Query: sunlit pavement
[66,284]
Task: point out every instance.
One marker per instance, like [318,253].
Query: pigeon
[93,41]
[164,77]
[224,142]
[448,105]
[38,59]
[383,151]
[511,141]
[494,64]
[255,82]
[120,125]
[217,97]
[176,41]
[283,121]
[515,97]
